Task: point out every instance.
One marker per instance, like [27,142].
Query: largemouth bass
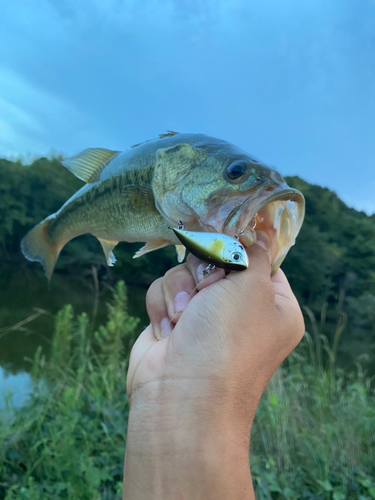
[141,193]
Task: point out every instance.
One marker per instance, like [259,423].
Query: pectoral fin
[150,247]
[181,251]
[108,246]
[88,164]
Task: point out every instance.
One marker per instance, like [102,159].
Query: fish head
[220,188]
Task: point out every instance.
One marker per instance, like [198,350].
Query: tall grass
[68,441]
[314,433]
[313,437]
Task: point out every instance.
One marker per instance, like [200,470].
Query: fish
[139,194]
[217,248]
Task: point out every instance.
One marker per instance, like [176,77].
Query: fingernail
[181,301]
[263,240]
[200,270]
[165,327]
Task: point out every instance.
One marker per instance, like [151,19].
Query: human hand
[202,381]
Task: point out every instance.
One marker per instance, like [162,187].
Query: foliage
[68,441]
[334,255]
[314,432]
[313,437]
[333,263]
[29,194]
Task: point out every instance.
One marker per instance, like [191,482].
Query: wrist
[186,444]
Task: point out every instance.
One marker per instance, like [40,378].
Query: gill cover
[172,166]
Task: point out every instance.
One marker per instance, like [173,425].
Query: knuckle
[259,256]
[193,260]
[177,279]
[175,274]
[153,292]
[171,272]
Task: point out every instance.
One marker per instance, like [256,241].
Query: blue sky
[292,82]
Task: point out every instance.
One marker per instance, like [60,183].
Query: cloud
[31,119]
[290,82]
[27,115]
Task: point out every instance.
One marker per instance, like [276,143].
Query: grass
[314,433]
[313,437]
[68,441]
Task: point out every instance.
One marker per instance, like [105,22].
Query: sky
[291,82]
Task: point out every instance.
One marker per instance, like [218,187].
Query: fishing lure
[218,249]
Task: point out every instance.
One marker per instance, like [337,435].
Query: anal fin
[181,251]
[108,246]
[150,247]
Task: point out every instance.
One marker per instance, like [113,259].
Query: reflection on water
[88,287]
[19,301]
[14,389]
[23,294]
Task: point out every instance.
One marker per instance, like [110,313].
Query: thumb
[257,277]
[288,307]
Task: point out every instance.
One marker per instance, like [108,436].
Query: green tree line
[331,268]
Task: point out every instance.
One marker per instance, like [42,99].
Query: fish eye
[236,171]
[236,256]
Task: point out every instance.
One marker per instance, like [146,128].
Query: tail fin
[37,246]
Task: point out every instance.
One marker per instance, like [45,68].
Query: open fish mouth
[279,213]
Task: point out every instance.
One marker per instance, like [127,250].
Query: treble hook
[254,224]
[208,270]
[181,226]
[241,233]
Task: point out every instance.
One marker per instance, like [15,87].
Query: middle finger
[179,289]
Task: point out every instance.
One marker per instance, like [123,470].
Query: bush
[313,437]
[314,431]
[68,441]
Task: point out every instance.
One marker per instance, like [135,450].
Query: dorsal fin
[169,133]
[88,164]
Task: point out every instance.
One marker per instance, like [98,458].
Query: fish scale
[140,193]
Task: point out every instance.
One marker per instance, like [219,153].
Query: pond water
[27,314]
[14,388]
[28,307]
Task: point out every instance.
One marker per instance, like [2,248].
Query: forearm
[173,452]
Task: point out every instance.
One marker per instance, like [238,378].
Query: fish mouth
[279,213]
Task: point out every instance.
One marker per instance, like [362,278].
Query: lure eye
[236,171]
[236,256]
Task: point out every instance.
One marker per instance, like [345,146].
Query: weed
[313,437]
